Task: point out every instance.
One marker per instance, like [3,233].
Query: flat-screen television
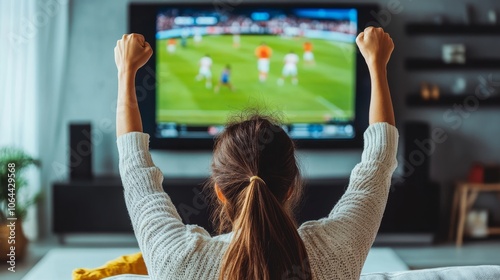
[212,60]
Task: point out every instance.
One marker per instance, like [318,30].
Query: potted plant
[14,200]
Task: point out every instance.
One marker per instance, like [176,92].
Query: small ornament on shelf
[454,53]
[492,17]
[435,92]
[425,92]
[459,86]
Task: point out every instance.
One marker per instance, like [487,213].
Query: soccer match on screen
[300,61]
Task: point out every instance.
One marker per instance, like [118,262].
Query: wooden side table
[464,196]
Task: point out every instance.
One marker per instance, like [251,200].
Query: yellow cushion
[128,264]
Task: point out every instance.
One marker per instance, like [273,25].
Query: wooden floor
[416,257]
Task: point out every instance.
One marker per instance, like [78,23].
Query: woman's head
[255,146]
[255,175]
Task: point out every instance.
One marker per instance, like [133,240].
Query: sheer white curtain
[32,61]
[18,78]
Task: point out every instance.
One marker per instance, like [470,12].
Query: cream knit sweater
[337,245]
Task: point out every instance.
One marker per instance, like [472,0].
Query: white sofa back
[483,272]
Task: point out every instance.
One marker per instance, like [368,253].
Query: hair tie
[253,178]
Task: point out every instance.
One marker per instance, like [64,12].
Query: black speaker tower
[80,153]
[417,154]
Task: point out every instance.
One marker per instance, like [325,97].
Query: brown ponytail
[265,244]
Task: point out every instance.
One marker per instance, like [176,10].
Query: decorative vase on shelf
[492,17]
[459,86]
[435,93]
[477,223]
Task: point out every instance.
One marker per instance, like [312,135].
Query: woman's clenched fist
[132,52]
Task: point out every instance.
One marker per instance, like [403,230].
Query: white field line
[330,105]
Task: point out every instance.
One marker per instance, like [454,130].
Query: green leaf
[21,160]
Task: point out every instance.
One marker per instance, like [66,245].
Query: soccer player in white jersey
[290,68]
[235,30]
[197,38]
[205,71]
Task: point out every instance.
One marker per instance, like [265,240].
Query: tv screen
[211,62]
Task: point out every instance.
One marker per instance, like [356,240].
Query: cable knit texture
[337,245]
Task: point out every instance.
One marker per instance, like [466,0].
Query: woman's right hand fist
[375,45]
[132,52]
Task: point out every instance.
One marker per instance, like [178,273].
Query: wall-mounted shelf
[448,100]
[471,64]
[437,64]
[452,29]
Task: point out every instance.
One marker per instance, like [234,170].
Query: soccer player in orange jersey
[263,53]
[308,54]
[171,44]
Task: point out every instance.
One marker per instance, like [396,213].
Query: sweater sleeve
[361,208]
[352,225]
[165,241]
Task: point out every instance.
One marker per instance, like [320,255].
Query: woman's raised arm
[376,46]
[353,223]
[131,53]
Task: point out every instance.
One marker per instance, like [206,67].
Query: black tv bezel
[142,19]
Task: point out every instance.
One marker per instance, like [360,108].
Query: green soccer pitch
[325,90]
